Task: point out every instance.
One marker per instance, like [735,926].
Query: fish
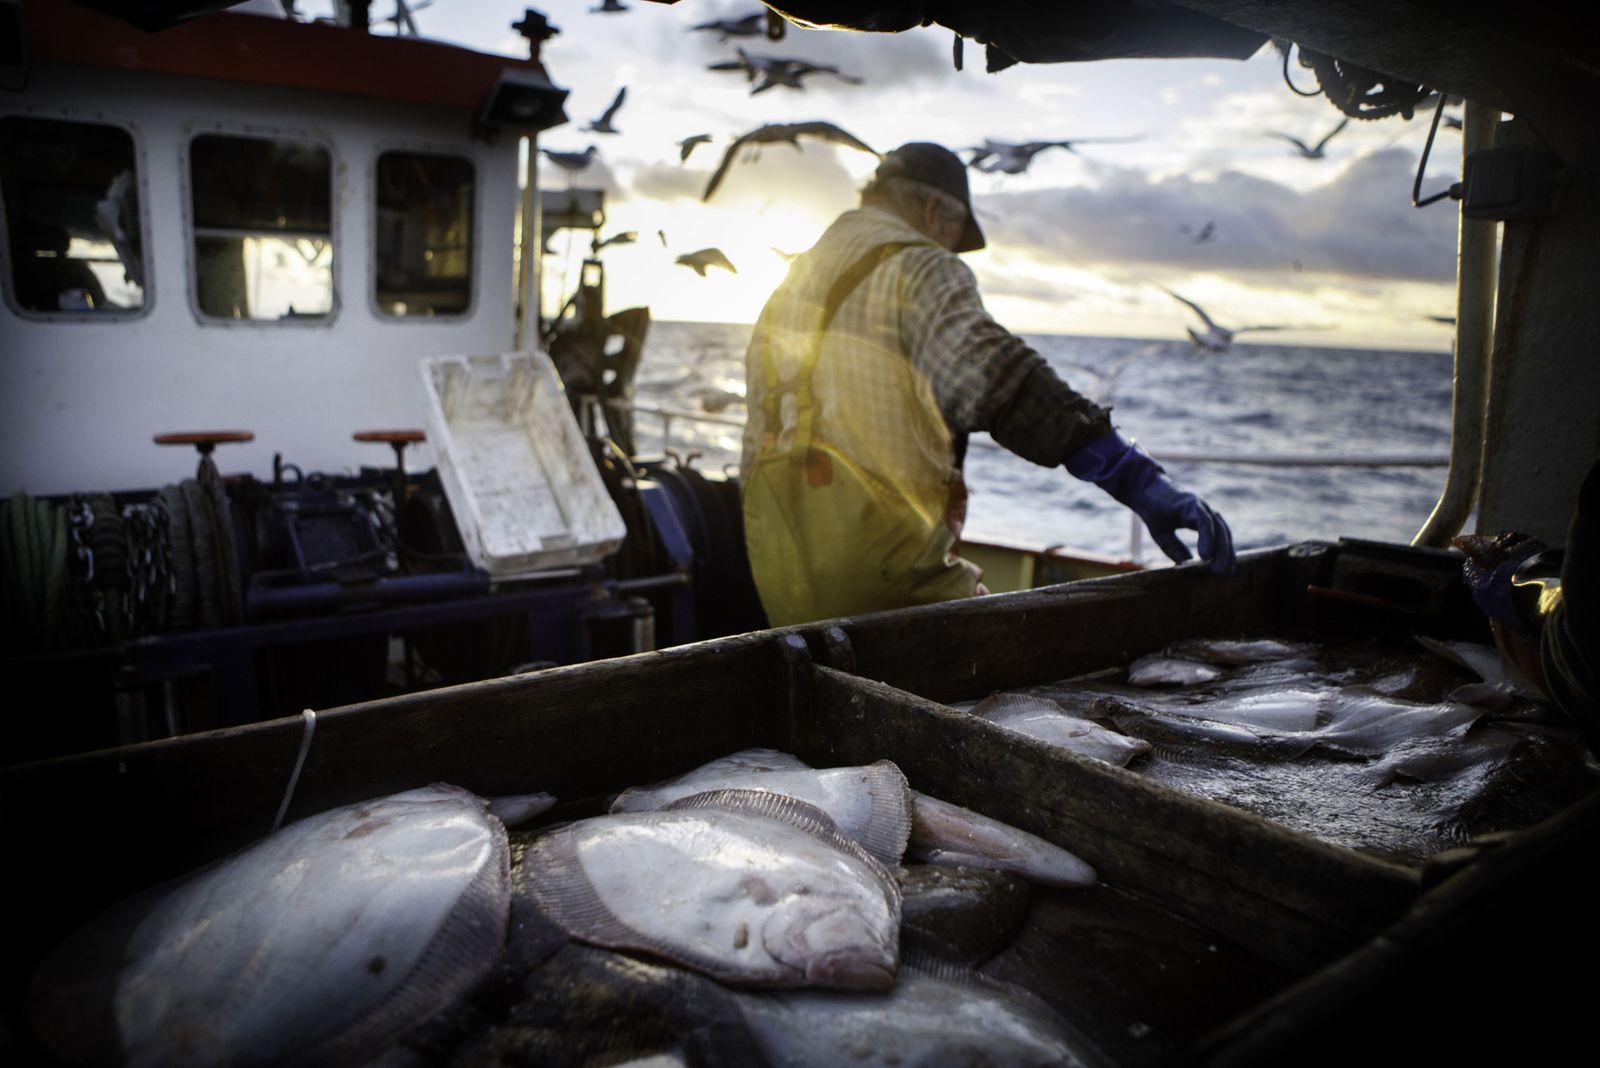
[318,945]
[1435,759]
[973,911]
[1483,661]
[940,833]
[946,834]
[1372,725]
[1280,711]
[1159,669]
[871,804]
[1046,721]
[749,887]
[940,1013]
[1237,653]
[590,1006]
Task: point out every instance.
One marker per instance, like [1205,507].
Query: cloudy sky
[1076,243]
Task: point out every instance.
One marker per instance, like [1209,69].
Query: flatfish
[589,1006]
[1161,669]
[973,911]
[320,944]
[942,833]
[1483,661]
[1046,721]
[1237,653]
[750,887]
[939,1013]
[870,804]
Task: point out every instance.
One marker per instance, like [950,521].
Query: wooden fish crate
[1216,935]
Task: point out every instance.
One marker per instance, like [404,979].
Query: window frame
[190,252]
[141,175]
[474,261]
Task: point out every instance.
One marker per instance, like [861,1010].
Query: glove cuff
[1115,464]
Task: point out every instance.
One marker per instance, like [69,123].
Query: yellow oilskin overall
[851,500]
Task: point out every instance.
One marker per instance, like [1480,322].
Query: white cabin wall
[1542,430]
[81,398]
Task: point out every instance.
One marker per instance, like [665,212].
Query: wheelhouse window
[71,194]
[423,234]
[263,227]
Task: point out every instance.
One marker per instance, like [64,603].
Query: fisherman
[868,368]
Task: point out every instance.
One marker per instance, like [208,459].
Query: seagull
[774,70]
[1009,157]
[1444,320]
[609,7]
[1216,338]
[1308,151]
[706,257]
[689,144]
[626,237]
[1105,382]
[791,133]
[603,123]
[571,162]
[1207,232]
[752,25]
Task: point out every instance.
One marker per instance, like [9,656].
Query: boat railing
[670,416]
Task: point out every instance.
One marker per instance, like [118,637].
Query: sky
[1080,243]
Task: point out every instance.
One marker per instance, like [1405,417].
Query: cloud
[1360,224]
[666,181]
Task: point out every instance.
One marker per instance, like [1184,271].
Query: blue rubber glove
[1491,571]
[1128,473]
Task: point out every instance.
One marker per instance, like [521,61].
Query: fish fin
[888,826]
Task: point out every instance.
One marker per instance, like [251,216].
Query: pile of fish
[754,910]
[1272,697]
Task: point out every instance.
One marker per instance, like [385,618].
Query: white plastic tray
[519,476]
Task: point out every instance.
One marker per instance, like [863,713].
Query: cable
[1289,81]
[1422,164]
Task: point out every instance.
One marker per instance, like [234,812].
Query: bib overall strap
[838,293]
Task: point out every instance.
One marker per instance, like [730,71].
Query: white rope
[309,719]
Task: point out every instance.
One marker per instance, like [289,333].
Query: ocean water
[1254,400]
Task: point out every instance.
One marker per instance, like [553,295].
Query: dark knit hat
[935,165]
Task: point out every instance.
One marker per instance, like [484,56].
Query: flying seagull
[774,70]
[689,144]
[603,123]
[791,133]
[1207,232]
[571,162]
[1008,157]
[752,25]
[625,237]
[1216,338]
[1310,151]
[706,257]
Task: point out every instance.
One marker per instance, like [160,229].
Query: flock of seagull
[764,72]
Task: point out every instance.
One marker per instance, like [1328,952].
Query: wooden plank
[156,810]
[1289,898]
[969,648]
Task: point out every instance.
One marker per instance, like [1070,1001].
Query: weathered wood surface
[84,830]
[1289,898]
[970,648]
